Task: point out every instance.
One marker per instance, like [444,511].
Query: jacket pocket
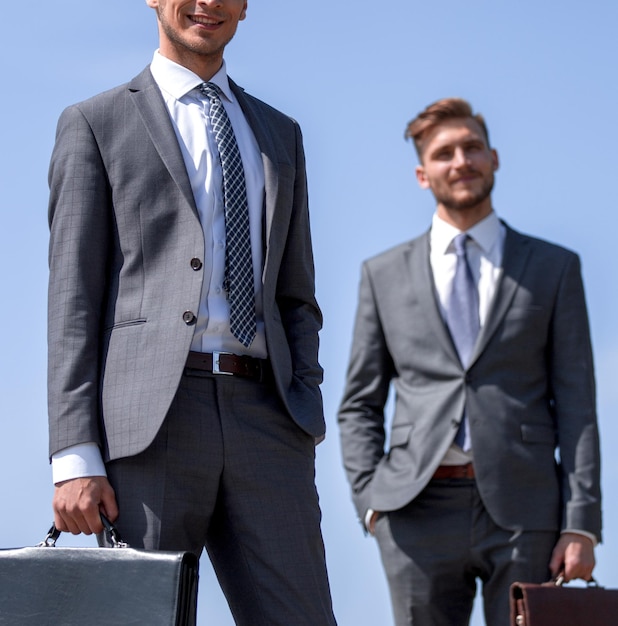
[400,435]
[126,323]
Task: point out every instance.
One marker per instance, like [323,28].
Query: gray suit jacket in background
[124,229]
[529,389]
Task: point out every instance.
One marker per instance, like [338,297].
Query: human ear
[421,177]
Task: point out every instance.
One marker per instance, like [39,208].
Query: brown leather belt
[229,364]
[454,471]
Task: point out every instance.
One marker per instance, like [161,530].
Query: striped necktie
[238,263]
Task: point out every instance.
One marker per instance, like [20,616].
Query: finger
[63,521]
[578,570]
[92,523]
[109,506]
[372,522]
[76,503]
[68,523]
[556,565]
[579,564]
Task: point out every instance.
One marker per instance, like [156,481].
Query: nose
[460,157]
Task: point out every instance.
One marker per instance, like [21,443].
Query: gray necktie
[238,263]
[462,317]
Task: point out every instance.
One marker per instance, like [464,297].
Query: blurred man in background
[492,466]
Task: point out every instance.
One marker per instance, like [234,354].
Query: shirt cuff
[77,461]
[590,536]
[367,518]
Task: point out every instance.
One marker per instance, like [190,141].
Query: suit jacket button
[189,318]
[196,264]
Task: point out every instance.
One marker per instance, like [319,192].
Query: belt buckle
[216,366]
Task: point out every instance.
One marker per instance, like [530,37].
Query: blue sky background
[353,74]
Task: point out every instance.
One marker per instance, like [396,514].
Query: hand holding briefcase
[49,586]
[551,604]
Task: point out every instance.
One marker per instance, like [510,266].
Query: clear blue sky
[353,74]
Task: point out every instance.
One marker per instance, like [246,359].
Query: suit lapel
[514,261]
[424,290]
[150,105]
[269,157]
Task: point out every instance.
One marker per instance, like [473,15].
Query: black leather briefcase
[49,586]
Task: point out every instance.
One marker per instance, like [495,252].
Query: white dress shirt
[189,112]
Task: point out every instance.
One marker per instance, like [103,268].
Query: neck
[464,219]
[205,66]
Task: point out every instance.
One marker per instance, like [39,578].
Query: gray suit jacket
[528,391]
[124,228]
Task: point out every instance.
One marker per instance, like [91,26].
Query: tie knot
[459,242]
[210,90]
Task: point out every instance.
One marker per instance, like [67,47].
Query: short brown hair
[437,113]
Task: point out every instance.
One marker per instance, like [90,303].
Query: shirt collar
[178,81]
[485,233]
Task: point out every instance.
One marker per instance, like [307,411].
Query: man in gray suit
[163,414]
[491,470]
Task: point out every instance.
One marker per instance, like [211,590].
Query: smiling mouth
[466,178]
[205,21]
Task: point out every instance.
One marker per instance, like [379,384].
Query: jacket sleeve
[300,315]
[361,413]
[79,228]
[572,397]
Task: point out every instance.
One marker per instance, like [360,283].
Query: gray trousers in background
[435,548]
[231,471]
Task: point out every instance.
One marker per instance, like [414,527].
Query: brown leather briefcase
[551,604]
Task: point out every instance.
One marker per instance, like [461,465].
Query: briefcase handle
[558,581]
[110,529]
